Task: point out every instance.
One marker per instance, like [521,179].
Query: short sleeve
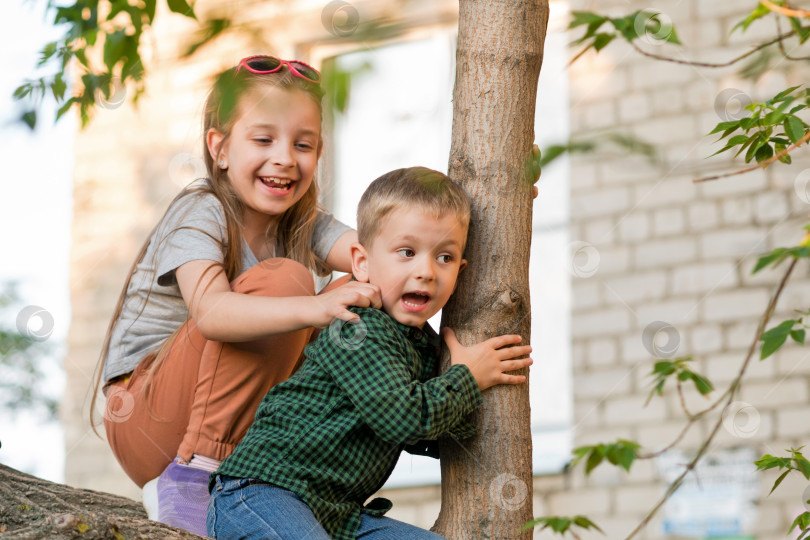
[194,229]
[326,232]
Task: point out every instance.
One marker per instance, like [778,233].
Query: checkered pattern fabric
[333,432]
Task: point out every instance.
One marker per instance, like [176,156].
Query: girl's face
[272,152]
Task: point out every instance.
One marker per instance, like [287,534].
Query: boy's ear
[359,262]
[461,267]
[213,140]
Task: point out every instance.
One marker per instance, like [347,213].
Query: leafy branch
[562,525]
[119,24]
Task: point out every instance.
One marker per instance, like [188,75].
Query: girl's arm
[339,256]
[227,316]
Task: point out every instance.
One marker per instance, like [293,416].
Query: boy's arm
[376,376]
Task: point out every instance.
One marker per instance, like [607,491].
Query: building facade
[659,266]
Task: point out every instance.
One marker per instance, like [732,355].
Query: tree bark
[32,508]
[487,480]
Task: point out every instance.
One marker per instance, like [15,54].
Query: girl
[220,301]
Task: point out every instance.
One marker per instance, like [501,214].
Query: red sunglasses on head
[263,64]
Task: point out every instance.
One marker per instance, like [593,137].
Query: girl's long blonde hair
[293,233]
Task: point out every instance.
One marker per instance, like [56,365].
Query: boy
[327,438]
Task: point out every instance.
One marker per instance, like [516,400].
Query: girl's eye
[304,146]
[445,258]
[263,140]
[406,252]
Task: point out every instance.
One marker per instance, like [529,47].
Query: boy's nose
[425,269]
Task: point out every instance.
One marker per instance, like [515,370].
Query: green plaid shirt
[333,432]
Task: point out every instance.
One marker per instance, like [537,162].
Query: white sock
[150,499]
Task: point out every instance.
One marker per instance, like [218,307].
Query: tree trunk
[487,480]
[31,508]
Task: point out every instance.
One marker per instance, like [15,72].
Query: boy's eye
[406,252]
[445,258]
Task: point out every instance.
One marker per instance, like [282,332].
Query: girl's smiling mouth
[276,183]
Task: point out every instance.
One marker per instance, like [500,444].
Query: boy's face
[415,260]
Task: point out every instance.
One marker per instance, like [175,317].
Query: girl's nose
[282,155]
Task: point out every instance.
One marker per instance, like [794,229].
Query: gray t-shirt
[194,229]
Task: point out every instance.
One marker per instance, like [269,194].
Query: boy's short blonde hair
[421,187]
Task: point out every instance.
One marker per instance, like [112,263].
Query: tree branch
[759,47]
[762,165]
[731,394]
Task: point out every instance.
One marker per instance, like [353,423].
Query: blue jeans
[250,509]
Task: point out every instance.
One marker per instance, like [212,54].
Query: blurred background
[631,261]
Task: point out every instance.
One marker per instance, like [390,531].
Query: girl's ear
[320,147]
[359,262]
[213,140]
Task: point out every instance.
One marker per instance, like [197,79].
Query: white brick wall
[682,253]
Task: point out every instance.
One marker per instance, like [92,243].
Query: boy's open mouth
[283,184]
[415,301]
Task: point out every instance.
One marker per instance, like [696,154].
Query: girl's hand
[487,361]
[333,304]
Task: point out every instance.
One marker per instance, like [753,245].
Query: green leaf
[702,384]
[64,108]
[779,480]
[593,460]
[803,466]
[794,128]
[30,119]
[181,7]
[771,345]
[764,153]
[798,336]
[585,17]
[722,126]
[759,12]
[775,256]
[802,521]
[601,40]
[113,48]
[58,87]
[773,118]
[149,7]
[585,523]
[782,329]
